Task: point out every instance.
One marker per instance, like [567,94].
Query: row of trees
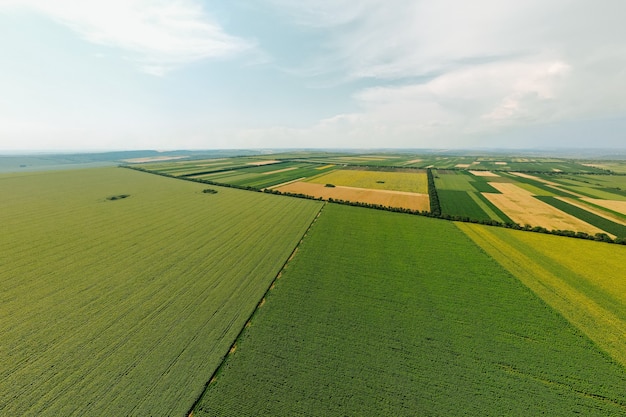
[435,207]
[435,211]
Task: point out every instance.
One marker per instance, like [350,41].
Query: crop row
[126,307]
[583,281]
[354,327]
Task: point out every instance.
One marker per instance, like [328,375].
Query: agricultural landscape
[313,283]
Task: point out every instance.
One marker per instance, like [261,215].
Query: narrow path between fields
[233,347]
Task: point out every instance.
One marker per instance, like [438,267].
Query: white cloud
[158,35]
[406,38]
[451,70]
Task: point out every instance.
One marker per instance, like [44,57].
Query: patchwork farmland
[544,194]
[385,188]
[127,293]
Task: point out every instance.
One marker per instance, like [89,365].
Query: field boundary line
[260,303]
[600,325]
[492,214]
[284,183]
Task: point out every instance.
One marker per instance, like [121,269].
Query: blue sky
[190,74]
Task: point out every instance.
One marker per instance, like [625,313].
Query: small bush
[118,197]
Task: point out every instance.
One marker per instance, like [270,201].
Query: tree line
[435,211]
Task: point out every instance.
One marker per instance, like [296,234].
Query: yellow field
[484,173]
[402,199]
[584,280]
[618,206]
[413,182]
[523,208]
[325,167]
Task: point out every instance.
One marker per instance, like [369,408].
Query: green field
[126,307]
[122,292]
[585,281]
[269,175]
[469,204]
[358,327]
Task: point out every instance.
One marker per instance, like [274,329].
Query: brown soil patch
[484,173]
[262,303]
[500,163]
[413,161]
[402,199]
[232,350]
[462,165]
[523,208]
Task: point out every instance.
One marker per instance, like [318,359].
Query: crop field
[470,204]
[268,176]
[613,166]
[402,199]
[585,281]
[201,167]
[356,327]
[121,291]
[127,293]
[454,181]
[550,193]
[461,195]
[554,202]
[523,208]
[614,206]
[412,182]
[466,181]
[365,159]
[578,211]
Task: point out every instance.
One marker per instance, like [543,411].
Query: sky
[192,74]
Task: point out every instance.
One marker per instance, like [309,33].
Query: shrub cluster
[118,197]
